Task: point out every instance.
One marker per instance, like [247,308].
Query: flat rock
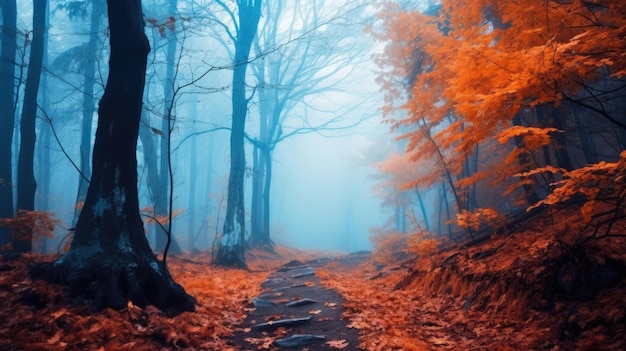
[301,272]
[281,323]
[300,302]
[299,340]
[291,265]
[258,302]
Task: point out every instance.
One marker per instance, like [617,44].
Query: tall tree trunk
[150,166]
[89,105]
[110,260]
[162,199]
[231,249]
[26,185]
[7,112]
[44,143]
[270,109]
[193,188]
[524,160]
[422,206]
[445,203]
[586,141]
[256,207]
[561,150]
[265,234]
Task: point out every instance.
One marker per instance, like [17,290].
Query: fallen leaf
[338,344]
[315,312]
[55,338]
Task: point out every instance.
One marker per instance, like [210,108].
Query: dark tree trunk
[7,112]
[266,241]
[231,249]
[524,161]
[586,141]
[150,171]
[561,149]
[155,186]
[270,108]
[26,185]
[110,260]
[193,185]
[89,105]
[43,150]
[161,194]
[256,207]
[422,206]
[260,212]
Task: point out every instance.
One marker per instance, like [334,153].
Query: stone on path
[281,323]
[300,302]
[299,340]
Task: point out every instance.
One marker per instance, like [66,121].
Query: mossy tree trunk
[110,260]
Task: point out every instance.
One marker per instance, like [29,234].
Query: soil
[295,312]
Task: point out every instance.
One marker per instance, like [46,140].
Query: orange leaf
[338,344]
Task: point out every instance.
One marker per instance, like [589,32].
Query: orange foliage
[607,179]
[223,295]
[482,216]
[488,297]
[494,296]
[152,218]
[168,23]
[475,65]
[389,246]
[25,223]
[365,300]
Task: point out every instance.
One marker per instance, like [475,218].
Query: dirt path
[294,312]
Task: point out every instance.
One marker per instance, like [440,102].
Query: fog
[324,194]
[321,189]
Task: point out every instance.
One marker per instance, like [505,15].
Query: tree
[296,65]
[231,248]
[7,111]
[88,108]
[159,179]
[478,71]
[110,260]
[26,185]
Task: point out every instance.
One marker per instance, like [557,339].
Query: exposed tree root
[112,280]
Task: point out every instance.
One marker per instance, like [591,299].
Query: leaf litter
[454,299]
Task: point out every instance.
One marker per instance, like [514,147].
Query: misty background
[321,194]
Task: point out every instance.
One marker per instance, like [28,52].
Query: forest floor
[541,286]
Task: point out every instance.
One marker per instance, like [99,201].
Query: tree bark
[161,200]
[26,185]
[231,249]
[110,260]
[7,112]
[89,105]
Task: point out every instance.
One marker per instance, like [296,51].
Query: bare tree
[245,19]
[317,54]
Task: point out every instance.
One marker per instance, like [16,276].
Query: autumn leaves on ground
[537,284]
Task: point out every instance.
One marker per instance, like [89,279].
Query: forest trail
[498,295]
[294,311]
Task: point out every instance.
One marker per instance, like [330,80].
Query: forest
[312,175]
